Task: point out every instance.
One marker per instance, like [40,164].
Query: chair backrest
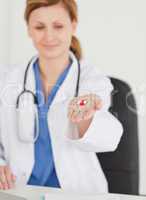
[121,167]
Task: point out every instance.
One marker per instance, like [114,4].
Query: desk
[35,193]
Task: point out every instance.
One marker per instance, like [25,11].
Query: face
[51,30]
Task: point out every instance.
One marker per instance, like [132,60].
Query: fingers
[79,112]
[7,179]
[10,182]
[3,180]
[98,103]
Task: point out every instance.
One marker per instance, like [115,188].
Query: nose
[49,35]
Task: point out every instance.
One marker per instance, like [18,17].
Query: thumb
[13,177]
[98,104]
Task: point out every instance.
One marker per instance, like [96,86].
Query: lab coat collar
[68,87]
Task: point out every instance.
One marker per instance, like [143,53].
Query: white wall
[4,32]
[113,36]
[21,48]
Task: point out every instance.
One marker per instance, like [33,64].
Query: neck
[53,66]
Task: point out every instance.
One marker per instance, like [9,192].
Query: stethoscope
[21,112]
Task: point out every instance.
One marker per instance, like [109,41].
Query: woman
[68,130]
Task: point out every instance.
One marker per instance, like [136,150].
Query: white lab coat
[77,166]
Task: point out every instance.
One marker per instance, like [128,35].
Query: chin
[53,54]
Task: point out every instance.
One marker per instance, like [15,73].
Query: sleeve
[2,158]
[105,130]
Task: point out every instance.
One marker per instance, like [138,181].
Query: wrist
[83,126]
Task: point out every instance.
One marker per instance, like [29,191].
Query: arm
[103,132]
[2,159]
[7,179]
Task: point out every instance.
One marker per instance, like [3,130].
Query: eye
[58,26]
[39,27]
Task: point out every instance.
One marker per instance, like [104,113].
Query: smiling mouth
[50,46]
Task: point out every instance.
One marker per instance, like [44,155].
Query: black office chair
[121,167]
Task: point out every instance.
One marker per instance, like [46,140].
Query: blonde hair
[70,6]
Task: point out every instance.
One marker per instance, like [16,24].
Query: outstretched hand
[83,107]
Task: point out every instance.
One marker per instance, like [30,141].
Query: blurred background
[113,37]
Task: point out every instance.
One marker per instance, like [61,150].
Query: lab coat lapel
[68,87]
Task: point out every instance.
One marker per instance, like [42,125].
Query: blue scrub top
[44,173]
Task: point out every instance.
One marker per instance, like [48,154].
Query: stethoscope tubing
[24,90]
[34,96]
